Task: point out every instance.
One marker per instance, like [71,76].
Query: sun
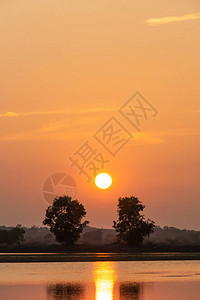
[103,181]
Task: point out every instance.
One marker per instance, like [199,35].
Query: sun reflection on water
[104,273]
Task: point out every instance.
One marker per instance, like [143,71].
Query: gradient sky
[66,68]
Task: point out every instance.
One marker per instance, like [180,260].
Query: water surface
[135,280]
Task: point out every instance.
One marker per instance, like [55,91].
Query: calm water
[157,280]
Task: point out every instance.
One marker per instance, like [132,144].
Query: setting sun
[103,181]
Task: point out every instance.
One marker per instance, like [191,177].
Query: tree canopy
[13,236]
[131,225]
[64,218]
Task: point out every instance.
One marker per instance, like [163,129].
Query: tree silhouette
[64,219]
[131,226]
[13,236]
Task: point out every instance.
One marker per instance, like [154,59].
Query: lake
[134,280]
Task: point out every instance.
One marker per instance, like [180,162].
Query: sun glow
[103,181]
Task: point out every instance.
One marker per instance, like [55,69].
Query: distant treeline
[13,235]
[174,236]
[166,236]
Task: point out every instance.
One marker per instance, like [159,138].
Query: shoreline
[94,257]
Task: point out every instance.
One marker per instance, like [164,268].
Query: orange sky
[66,68]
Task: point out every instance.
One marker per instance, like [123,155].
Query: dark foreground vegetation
[90,257]
[69,233]
[95,240]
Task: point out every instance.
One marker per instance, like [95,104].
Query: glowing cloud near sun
[103,181]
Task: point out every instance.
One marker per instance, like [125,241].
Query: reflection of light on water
[104,280]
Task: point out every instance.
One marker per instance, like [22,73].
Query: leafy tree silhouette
[64,218]
[131,226]
[13,236]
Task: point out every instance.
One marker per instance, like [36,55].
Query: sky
[67,67]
